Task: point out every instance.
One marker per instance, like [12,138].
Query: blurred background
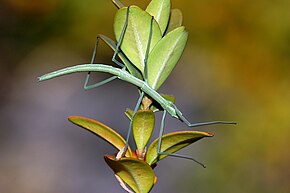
[235,67]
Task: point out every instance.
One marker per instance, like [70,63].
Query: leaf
[175,20]
[142,126]
[136,36]
[137,174]
[132,69]
[102,131]
[160,9]
[173,142]
[157,107]
[165,55]
[129,113]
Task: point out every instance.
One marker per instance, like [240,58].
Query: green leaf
[157,107]
[129,113]
[165,55]
[175,20]
[160,9]
[132,69]
[143,125]
[136,36]
[137,174]
[102,131]
[173,142]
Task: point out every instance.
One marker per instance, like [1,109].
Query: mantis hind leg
[159,147]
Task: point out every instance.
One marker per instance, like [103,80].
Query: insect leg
[161,131]
[147,51]
[88,87]
[130,125]
[171,154]
[145,70]
[121,39]
[183,119]
[117,49]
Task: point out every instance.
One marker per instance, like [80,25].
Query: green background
[235,67]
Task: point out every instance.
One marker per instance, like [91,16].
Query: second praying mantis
[141,71]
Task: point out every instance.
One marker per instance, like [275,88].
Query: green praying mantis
[149,51]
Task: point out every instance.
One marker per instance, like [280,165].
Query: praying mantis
[149,54]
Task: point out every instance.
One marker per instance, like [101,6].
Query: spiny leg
[183,119]
[171,154]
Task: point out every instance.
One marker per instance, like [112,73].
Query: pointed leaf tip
[175,20]
[143,125]
[160,9]
[173,142]
[102,131]
[165,55]
[135,40]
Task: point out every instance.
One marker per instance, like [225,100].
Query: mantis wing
[135,40]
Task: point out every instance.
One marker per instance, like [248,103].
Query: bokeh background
[235,67]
